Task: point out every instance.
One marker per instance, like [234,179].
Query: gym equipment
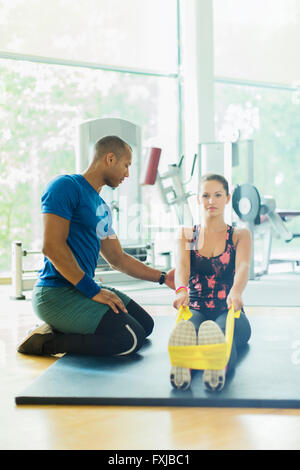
[17,270]
[266,376]
[151,167]
[246,203]
[143,253]
[217,157]
[171,186]
[127,195]
[261,212]
[208,356]
[212,157]
[22,282]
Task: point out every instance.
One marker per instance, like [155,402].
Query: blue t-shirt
[74,199]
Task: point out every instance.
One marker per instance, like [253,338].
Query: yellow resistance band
[205,356]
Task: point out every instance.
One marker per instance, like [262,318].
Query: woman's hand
[107,297]
[234,297]
[182,298]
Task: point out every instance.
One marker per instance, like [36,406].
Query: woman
[212,270]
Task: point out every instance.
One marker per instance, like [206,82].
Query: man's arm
[56,249]
[112,252]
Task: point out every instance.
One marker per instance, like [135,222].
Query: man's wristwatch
[162,277]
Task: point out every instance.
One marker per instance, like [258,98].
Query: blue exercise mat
[267,374]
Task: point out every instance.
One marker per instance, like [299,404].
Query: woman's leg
[184,334]
[197,318]
[210,334]
[242,333]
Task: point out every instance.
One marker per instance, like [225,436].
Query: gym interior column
[217,157]
[204,51]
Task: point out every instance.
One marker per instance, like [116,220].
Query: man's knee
[131,339]
[149,326]
[126,335]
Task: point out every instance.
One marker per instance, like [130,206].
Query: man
[80,316]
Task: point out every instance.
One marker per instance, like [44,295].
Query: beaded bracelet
[180,288]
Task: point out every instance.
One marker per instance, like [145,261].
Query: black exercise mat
[267,374]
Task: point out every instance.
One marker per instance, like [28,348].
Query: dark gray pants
[117,334]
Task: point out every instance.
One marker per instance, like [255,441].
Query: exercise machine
[127,221]
[171,186]
[260,214]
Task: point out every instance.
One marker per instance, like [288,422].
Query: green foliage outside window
[41,108]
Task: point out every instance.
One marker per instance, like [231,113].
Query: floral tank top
[211,278]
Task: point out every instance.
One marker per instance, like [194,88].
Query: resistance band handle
[88,286]
[184,313]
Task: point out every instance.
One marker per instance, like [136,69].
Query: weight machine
[171,186]
[260,214]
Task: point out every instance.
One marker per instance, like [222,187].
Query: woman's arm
[242,267]
[182,262]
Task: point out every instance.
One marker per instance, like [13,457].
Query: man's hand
[169,279]
[107,297]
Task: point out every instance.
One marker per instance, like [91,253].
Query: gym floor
[124,428]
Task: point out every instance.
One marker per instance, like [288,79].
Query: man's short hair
[111,143]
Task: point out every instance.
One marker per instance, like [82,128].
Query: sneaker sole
[25,347]
[184,334]
[210,333]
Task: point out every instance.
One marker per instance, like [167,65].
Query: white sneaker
[210,333]
[184,334]
[35,340]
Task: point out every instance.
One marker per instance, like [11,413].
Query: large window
[270,117]
[257,40]
[257,96]
[42,103]
[132,33]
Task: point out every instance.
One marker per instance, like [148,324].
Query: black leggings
[117,334]
[242,331]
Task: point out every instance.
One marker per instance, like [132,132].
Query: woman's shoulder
[240,233]
[186,233]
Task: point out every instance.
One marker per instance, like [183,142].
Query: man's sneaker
[184,334]
[210,333]
[34,342]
